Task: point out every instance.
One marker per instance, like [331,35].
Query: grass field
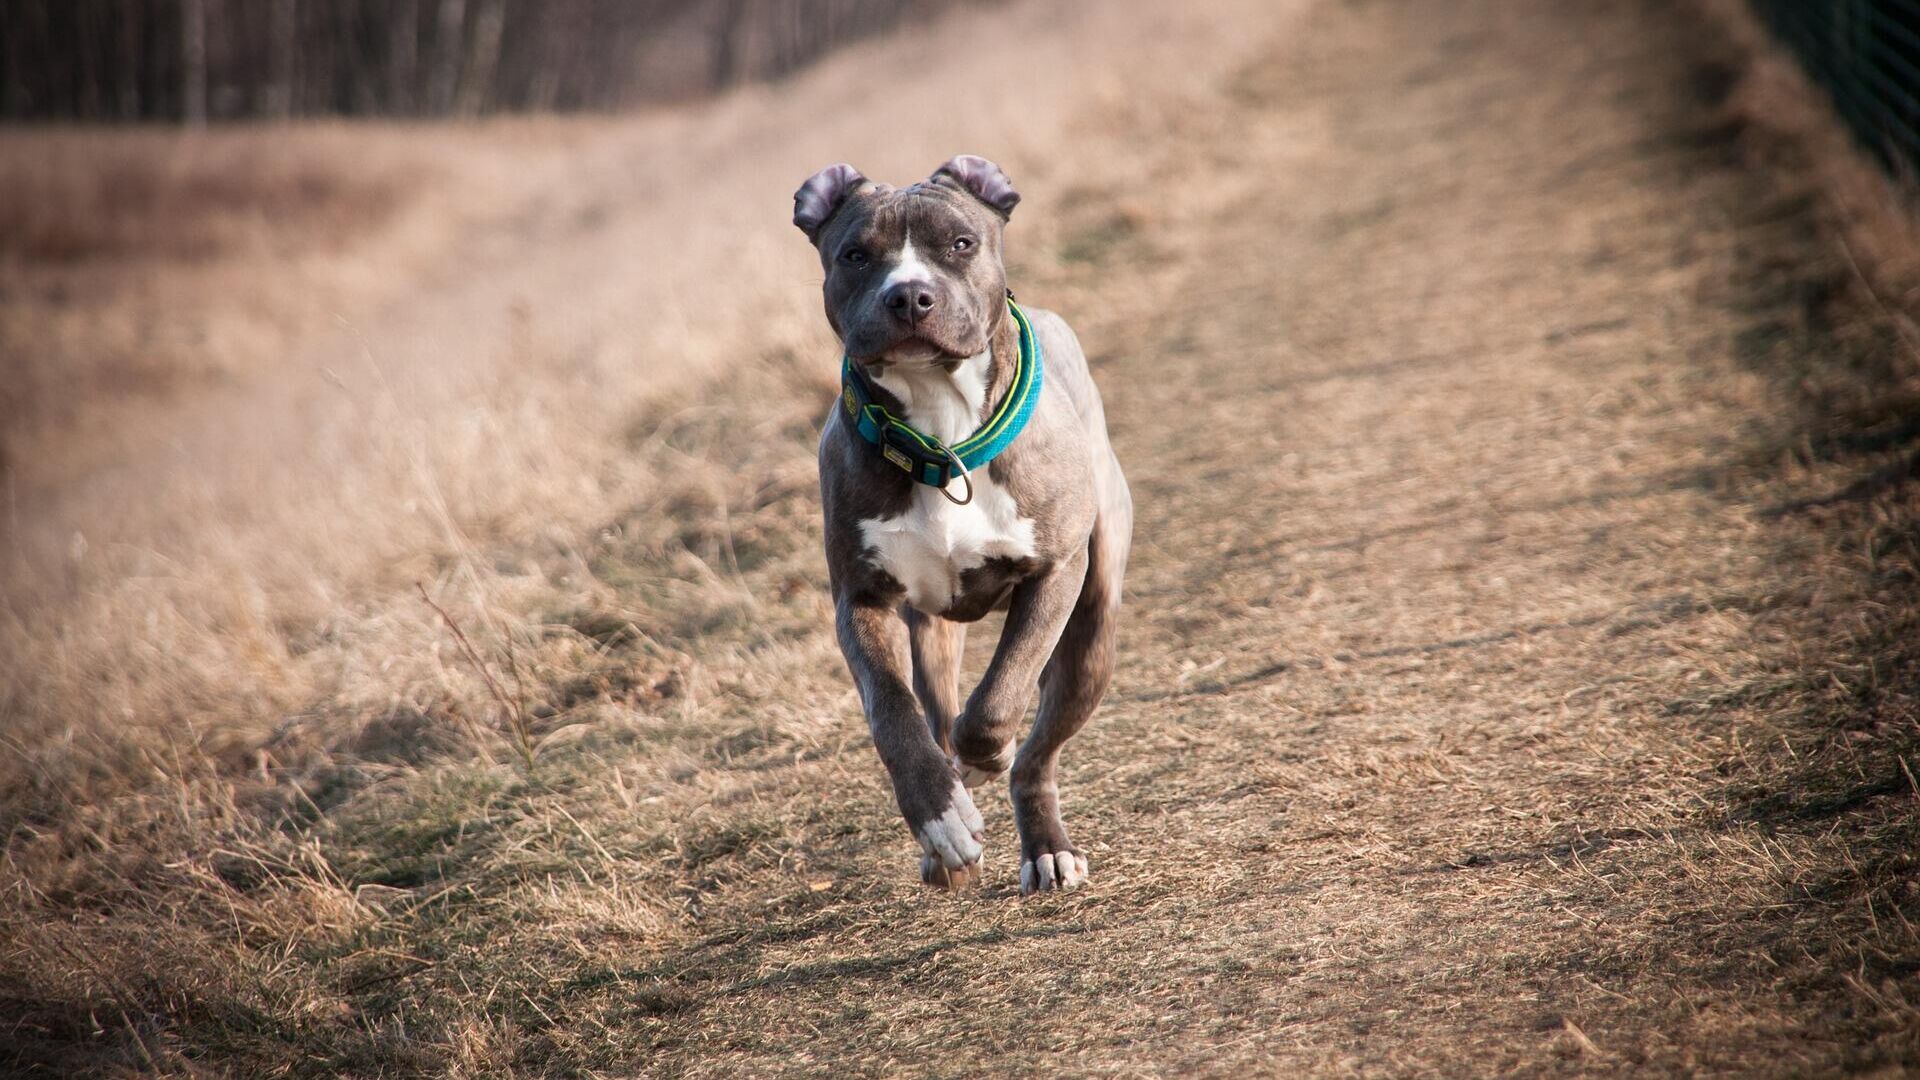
[415,657]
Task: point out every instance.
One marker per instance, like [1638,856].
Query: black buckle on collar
[915,459]
[897,446]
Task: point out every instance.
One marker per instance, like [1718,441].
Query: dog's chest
[937,549]
[931,547]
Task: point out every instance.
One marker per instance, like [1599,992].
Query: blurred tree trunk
[789,29]
[727,34]
[447,38]
[193,62]
[403,59]
[477,84]
[564,26]
[282,47]
[131,20]
[358,65]
[13,55]
[200,61]
[88,100]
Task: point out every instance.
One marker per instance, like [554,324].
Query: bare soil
[1521,670]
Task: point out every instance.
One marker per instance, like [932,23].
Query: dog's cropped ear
[982,179]
[814,204]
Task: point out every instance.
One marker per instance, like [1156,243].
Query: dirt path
[1448,543]
[1488,703]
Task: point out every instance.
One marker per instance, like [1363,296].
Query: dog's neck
[950,401]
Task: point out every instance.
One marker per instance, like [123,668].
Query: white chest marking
[930,546]
[934,542]
[945,406]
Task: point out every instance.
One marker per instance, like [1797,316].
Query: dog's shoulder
[1056,338]
[1066,364]
[853,479]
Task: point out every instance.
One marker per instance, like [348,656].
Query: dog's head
[914,274]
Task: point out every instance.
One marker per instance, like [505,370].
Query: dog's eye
[963,243]
[854,257]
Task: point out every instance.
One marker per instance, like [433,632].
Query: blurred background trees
[196,61]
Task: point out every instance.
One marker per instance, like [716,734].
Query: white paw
[951,842]
[1052,870]
[975,775]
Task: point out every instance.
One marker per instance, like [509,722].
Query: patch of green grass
[1091,245]
[430,831]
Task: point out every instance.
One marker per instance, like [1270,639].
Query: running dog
[965,469]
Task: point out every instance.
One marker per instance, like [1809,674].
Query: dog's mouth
[912,351]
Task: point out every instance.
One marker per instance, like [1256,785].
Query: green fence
[1867,54]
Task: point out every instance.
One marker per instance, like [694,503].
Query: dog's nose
[909,300]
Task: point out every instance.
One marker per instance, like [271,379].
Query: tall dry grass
[343,437]
[276,376]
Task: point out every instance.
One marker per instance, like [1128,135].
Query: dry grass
[183,555]
[87,196]
[1542,699]
[151,267]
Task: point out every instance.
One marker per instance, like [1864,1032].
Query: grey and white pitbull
[916,290]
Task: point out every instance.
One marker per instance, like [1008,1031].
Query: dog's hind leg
[937,647]
[1071,686]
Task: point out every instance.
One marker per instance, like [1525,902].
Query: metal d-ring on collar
[965,474]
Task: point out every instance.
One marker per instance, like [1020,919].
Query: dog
[965,469]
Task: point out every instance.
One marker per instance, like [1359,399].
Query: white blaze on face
[913,353]
[909,268]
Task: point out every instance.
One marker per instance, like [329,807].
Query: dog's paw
[951,843]
[1048,871]
[973,775]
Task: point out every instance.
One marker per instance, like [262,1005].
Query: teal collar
[926,458]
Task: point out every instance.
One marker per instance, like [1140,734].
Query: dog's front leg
[936,805]
[983,738]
